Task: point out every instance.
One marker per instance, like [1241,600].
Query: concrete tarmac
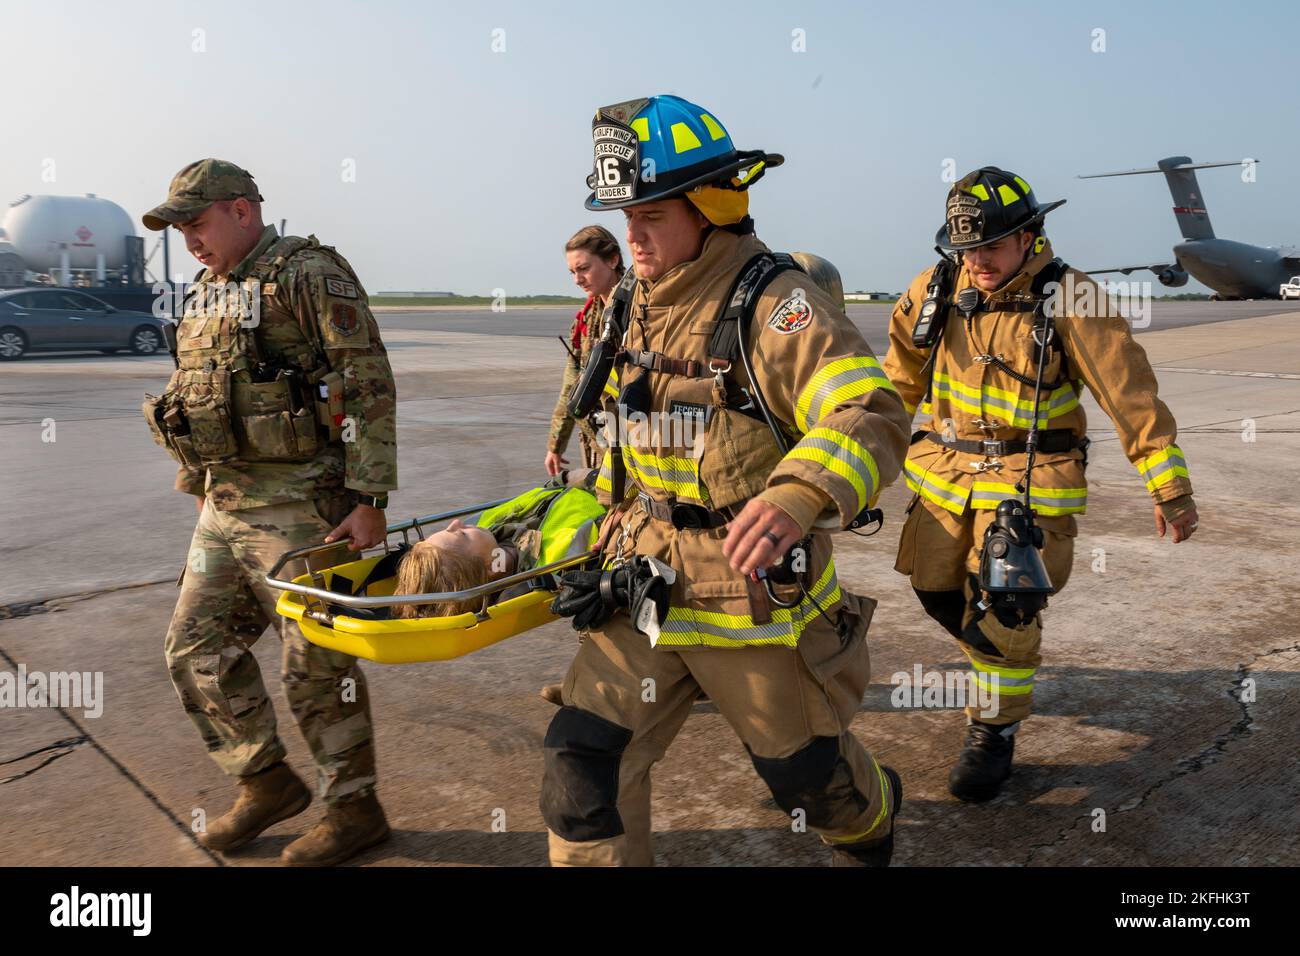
[1168,702]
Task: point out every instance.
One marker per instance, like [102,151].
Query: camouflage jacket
[315,305]
[562,422]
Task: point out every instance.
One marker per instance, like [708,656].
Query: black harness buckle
[688,517]
[994,448]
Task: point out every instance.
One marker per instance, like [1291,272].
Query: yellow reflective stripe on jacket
[685,626]
[677,476]
[837,382]
[1012,681]
[840,454]
[605,477]
[990,401]
[943,493]
[1164,466]
[1052,405]
[1045,501]
[611,384]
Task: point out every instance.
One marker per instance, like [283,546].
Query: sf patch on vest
[791,316]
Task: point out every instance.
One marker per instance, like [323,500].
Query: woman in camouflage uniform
[596,264]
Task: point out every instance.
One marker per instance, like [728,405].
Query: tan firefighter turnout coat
[846,428]
[973,399]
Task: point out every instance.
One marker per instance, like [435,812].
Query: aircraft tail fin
[1189,204]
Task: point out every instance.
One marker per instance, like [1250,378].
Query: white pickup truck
[1290,290]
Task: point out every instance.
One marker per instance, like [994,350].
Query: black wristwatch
[375,501]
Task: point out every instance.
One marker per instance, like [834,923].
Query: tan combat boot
[265,798]
[346,830]
[551,693]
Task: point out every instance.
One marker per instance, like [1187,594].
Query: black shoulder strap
[1053,272]
[615,314]
[752,280]
[940,288]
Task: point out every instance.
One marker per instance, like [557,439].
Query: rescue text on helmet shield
[617,158]
[965,220]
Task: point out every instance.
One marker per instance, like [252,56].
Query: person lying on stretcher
[557,520]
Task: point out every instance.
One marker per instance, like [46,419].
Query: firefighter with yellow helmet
[994,346]
[752,420]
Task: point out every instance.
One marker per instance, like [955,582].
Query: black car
[63,320]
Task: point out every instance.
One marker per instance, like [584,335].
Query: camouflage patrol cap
[198,186]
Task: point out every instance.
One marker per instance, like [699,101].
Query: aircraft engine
[1172,277]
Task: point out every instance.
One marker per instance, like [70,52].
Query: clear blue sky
[470,164]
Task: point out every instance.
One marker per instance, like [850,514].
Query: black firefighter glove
[592,597]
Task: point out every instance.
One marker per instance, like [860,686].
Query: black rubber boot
[984,763]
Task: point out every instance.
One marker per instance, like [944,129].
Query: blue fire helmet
[661,146]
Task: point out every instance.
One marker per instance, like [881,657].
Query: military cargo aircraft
[1234,270]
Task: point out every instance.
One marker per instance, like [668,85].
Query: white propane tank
[45,229]
[12,267]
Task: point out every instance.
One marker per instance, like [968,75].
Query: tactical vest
[229,400]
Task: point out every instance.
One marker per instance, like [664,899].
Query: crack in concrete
[85,736]
[60,748]
[1206,757]
[1206,425]
[43,606]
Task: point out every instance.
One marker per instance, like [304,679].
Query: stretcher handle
[409,525]
[491,587]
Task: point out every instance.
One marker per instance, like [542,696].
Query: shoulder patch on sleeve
[340,288]
[343,318]
[906,304]
[792,315]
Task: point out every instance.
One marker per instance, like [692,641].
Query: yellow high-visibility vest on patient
[545,524]
[565,520]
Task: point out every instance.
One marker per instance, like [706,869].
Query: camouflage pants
[593,453]
[224,607]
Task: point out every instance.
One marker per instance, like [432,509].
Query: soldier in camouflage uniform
[282,416]
[596,263]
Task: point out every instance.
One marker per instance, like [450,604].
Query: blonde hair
[600,242]
[429,570]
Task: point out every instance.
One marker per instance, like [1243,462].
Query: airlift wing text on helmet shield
[617,161]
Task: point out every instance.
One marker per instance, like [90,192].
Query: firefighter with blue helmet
[752,420]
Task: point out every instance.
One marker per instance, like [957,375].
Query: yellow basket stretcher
[343,609]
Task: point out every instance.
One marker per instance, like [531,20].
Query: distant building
[869,296]
[411,295]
